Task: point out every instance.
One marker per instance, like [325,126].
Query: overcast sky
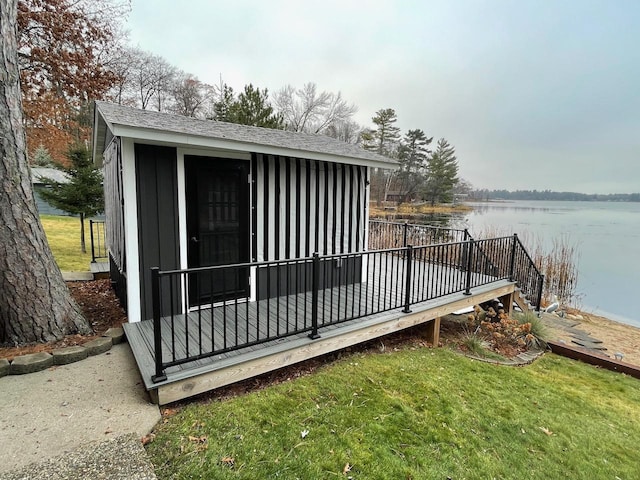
[533,94]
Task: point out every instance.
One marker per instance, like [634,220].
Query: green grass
[414,413]
[63,235]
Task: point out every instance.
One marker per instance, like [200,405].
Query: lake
[607,235]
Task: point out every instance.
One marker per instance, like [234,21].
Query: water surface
[607,235]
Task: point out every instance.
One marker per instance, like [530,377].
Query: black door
[217,196]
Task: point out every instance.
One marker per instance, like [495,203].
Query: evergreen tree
[35,303]
[385,141]
[252,108]
[413,154]
[222,107]
[83,195]
[442,174]
[41,157]
[386,136]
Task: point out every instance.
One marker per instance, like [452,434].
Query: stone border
[35,362]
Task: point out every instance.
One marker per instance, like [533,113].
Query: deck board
[257,320]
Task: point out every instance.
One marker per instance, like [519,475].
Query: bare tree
[347,131]
[152,79]
[306,110]
[164,75]
[35,304]
[123,66]
[190,95]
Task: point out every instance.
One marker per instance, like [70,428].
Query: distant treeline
[549,195]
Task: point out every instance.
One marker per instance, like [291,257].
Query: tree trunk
[35,304]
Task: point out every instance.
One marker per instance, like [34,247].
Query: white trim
[215,153]
[211,154]
[132,253]
[365,226]
[183,241]
[195,141]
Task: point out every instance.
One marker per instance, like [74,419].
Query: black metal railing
[98,240]
[203,312]
[526,274]
[383,234]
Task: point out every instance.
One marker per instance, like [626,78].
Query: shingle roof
[118,115]
[39,173]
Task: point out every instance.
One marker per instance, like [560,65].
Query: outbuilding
[184,193]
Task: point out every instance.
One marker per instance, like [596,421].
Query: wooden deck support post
[507,303]
[432,332]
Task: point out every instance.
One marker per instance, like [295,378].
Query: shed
[184,193]
[38,175]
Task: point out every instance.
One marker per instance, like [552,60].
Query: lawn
[413,413]
[63,235]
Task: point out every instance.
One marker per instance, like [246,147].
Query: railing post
[93,253]
[467,289]
[404,233]
[315,280]
[512,263]
[465,250]
[157,332]
[407,283]
[540,288]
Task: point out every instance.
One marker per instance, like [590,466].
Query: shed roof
[40,173]
[146,125]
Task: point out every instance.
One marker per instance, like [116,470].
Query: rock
[63,356]
[98,346]
[33,362]
[116,334]
[4,367]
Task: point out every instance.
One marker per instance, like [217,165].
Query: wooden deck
[253,321]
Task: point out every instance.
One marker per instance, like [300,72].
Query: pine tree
[35,303]
[41,157]
[222,107]
[442,174]
[83,195]
[252,108]
[385,141]
[413,154]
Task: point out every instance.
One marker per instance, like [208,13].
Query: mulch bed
[100,307]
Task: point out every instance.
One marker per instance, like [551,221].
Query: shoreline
[616,337]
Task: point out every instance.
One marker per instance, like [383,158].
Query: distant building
[37,176]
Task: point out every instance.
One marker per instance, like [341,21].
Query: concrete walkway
[66,415]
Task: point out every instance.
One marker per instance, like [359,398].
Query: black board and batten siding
[158,243]
[114,217]
[301,207]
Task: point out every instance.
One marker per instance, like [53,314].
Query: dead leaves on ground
[228,461]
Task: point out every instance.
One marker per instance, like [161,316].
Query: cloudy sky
[533,94]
